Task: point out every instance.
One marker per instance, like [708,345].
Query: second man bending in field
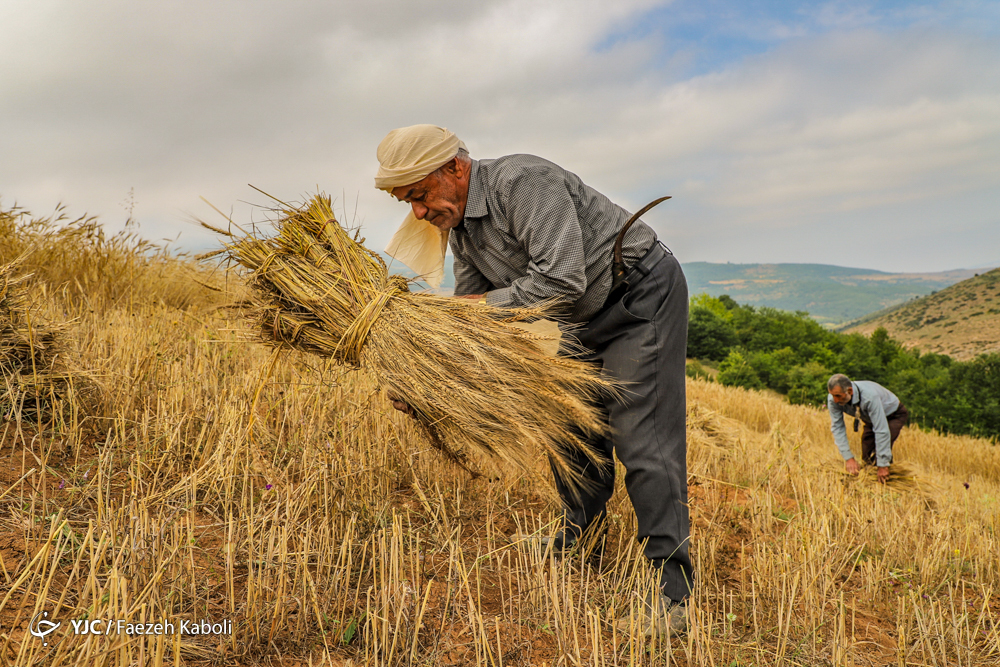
[879,409]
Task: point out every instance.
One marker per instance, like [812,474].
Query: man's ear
[454,167]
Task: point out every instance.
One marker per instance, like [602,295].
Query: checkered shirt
[533,232]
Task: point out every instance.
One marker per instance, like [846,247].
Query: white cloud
[854,130]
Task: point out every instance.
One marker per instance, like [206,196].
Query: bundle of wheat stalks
[32,373]
[473,380]
[903,477]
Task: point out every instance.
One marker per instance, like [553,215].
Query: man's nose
[419,210]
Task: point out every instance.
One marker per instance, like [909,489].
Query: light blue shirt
[871,402]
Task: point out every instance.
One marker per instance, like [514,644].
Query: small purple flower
[268,487]
[965,484]
[86,474]
[925,596]
[62,484]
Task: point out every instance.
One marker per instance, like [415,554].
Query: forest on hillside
[792,354]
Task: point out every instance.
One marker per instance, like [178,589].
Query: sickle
[618,268]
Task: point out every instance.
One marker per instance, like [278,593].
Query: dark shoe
[565,543]
[561,544]
[657,616]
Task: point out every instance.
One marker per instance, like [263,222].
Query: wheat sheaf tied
[353,341]
[474,382]
[317,289]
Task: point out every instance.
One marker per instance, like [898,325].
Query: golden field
[189,473]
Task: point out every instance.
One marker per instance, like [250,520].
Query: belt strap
[643,267]
[639,270]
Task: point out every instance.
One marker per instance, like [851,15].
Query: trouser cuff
[676,581]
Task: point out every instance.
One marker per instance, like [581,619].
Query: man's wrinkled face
[842,396]
[439,198]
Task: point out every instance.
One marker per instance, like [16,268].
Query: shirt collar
[856,396]
[475,203]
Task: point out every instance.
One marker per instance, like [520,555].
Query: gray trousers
[641,340]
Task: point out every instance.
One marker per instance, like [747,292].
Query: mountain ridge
[962,320]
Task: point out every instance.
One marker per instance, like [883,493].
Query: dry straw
[32,371]
[903,478]
[474,381]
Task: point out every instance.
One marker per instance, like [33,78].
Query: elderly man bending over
[883,416]
[523,231]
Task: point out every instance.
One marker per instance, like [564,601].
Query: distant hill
[833,295]
[961,321]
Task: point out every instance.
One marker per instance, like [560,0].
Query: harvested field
[211,480]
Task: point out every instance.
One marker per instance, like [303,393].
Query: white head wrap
[406,156]
[409,154]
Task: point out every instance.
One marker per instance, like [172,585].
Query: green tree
[859,361]
[884,347]
[714,304]
[807,384]
[735,371]
[976,387]
[709,335]
[728,302]
[772,367]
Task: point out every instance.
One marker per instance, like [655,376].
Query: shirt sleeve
[468,279]
[838,428]
[883,441]
[544,222]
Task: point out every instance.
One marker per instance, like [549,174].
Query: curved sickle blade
[621,235]
[638,214]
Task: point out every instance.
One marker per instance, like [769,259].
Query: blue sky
[851,133]
[699,37]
